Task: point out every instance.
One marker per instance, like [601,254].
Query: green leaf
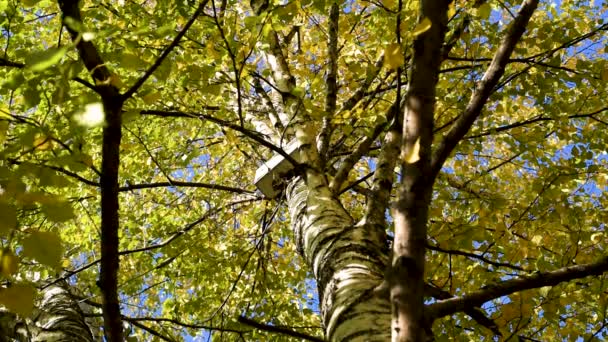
[14,81]
[44,247]
[8,218]
[3,131]
[130,115]
[58,211]
[484,11]
[31,96]
[298,91]
[42,60]
[18,298]
[29,3]
[152,97]
[131,61]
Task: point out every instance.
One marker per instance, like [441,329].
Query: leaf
[451,10]
[298,92]
[9,263]
[58,211]
[151,97]
[44,247]
[393,56]
[32,96]
[42,60]
[130,115]
[484,11]
[19,298]
[604,75]
[422,27]
[29,3]
[8,218]
[91,116]
[3,131]
[537,239]
[131,61]
[14,81]
[413,155]
[42,142]
[597,237]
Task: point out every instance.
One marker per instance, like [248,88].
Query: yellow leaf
[604,75]
[597,237]
[18,298]
[422,27]
[390,4]
[42,142]
[413,155]
[116,81]
[537,239]
[451,10]
[9,264]
[393,56]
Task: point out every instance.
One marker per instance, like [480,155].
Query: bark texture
[59,318]
[348,260]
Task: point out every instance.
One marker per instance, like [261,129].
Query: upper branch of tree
[5,62]
[485,88]
[450,306]
[165,53]
[251,134]
[531,121]
[382,182]
[180,323]
[350,161]
[363,88]
[280,330]
[112,103]
[172,183]
[19,65]
[476,257]
[332,81]
[87,51]
[474,312]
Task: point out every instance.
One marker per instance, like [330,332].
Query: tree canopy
[462,139]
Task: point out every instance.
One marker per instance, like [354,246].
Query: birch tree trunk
[348,261]
[58,318]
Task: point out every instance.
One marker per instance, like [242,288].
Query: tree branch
[171,183]
[6,63]
[332,82]
[280,330]
[475,312]
[347,164]
[450,306]
[251,134]
[165,53]
[112,105]
[485,88]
